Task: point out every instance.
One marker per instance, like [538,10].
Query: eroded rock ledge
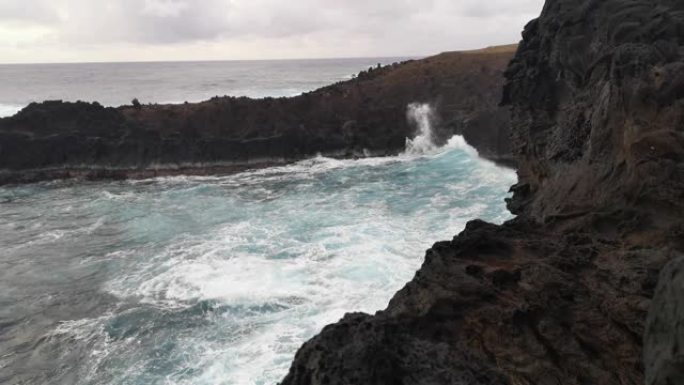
[561,294]
[365,116]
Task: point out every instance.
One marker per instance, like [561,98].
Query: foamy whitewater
[219,280]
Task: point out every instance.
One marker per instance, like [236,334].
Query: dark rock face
[361,117]
[598,94]
[561,294]
[509,304]
[490,134]
[664,341]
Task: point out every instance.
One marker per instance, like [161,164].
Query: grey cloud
[38,11]
[373,25]
[148,21]
[484,9]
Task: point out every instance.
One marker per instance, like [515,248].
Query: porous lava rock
[562,293]
[365,116]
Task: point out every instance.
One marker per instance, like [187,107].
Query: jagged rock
[592,90]
[664,340]
[561,294]
[362,116]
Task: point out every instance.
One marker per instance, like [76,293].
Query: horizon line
[412,56]
[218,60]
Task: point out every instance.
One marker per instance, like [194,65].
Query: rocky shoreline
[564,293]
[365,116]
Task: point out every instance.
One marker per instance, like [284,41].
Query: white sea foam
[124,196]
[330,276]
[221,279]
[458,142]
[421,116]
[82,329]
[53,236]
[306,278]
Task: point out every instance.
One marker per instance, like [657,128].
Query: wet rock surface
[360,117]
[562,293]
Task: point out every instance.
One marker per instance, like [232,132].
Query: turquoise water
[218,280]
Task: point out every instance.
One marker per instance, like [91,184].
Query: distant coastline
[362,116]
[117,83]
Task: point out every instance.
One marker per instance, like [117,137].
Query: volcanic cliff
[360,117]
[562,293]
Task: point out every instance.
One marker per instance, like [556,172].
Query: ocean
[214,280]
[115,84]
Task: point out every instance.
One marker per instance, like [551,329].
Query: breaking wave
[205,280]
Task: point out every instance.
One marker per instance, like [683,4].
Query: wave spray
[421,116]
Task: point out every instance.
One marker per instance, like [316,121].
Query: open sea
[114,84]
[214,280]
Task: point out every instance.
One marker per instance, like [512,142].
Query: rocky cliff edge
[562,293]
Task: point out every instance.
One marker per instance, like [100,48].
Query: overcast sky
[141,30]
